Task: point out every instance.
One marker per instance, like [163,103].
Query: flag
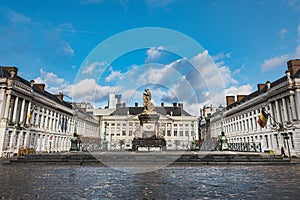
[30,114]
[263,118]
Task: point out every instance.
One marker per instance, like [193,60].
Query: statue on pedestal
[148,105]
[147,134]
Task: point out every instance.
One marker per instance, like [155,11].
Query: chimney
[41,86]
[230,100]
[293,66]
[31,83]
[136,104]
[268,83]
[240,97]
[260,86]
[180,105]
[162,104]
[60,96]
[13,71]
[174,104]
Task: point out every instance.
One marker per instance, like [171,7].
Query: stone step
[79,158]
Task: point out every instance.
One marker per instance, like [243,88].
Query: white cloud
[220,99]
[241,90]
[114,75]
[15,17]
[90,68]
[215,76]
[282,33]
[66,27]
[84,90]
[89,90]
[53,83]
[64,50]
[184,81]
[280,61]
[293,4]
[275,62]
[153,54]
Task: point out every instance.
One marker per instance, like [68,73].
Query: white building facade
[87,128]
[281,99]
[179,128]
[32,118]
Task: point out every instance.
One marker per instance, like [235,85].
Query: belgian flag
[30,114]
[263,118]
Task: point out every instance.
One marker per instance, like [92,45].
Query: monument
[148,134]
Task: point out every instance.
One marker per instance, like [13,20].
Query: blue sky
[242,43]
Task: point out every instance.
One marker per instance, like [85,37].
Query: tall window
[292,140]
[180,133]
[175,132]
[277,142]
[267,141]
[168,133]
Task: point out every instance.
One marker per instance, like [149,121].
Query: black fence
[245,146]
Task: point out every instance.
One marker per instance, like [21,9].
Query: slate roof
[166,110]
[263,90]
[5,74]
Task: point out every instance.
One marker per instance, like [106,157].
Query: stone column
[28,111]
[277,112]
[285,115]
[26,140]
[297,102]
[293,107]
[7,104]
[46,119]
[37,117]
[2,102]
[42,117]
[271,113]
[12,138]
[19,135]
[22,111]
[50,120]
[15,110]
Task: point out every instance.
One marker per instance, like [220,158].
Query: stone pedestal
[149,124]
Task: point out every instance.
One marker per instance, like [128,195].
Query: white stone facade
[118,131]
[52,121]
[281,99]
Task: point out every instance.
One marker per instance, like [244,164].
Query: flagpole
[271,116]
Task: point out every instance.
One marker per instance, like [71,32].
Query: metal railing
[245,146]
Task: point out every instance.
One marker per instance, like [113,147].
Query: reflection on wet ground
[195,182]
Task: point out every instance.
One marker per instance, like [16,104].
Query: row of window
[137,124]
[267,140]
[164,133]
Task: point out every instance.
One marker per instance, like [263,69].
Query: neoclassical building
[118,127]
[31,117]
[280,99]
[87,126]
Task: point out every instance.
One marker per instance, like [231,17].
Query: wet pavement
[176,182]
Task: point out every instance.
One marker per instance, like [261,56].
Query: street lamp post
[105,142]
[286,138]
